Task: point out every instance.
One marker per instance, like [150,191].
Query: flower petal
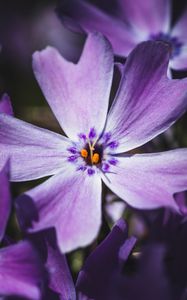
[5,200]
[149,180]
[20,271]
[77,93]
[70,202]
[80,14]
[180,62]
[59,277]
[5,105]
[103,267]
[147,102]
[34,152]
[147,17]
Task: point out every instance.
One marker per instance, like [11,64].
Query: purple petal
[151,269]
[101,276]
[70,202]
[149,180]
[181,199]
[5,201]
[34,152]
[20,271]
[115,210]
[5,105]
[81,14]
[147,102]
[180,62]
[179,30]
[148,16]
[59,278]
[77,93]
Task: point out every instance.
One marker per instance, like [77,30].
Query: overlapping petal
[34,152]
[70,202]
[179,30]
[180,62]
[148,16]
[78,14]
[77,93]
[101,276]
[60,277]
[147,102]
[149,181]
[5,201]
[20,271]
[60,284]
[5,105]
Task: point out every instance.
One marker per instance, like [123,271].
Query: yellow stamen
[95,158]
[84,153]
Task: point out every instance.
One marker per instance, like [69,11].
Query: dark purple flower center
[93,152]
[174,42]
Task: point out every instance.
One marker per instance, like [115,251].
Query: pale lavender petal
[77,93]
[5,201]
[70,202]
[20,271]
[179,30]
[180,62]
[34,152]
[147,102]
[114,208]
[149,181]
[78,14]
[148,16]
[5,105]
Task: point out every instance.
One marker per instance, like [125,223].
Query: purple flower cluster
[100,149]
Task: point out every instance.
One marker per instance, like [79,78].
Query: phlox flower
[20,268]
[128,23]
[97,147]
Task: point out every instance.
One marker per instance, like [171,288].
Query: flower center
[173,42]
[93,152]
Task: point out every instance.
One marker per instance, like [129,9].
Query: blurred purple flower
[146,104]
[130,23]
[110,271]
[20,268]
[5,105]
[169,230]
[102,274]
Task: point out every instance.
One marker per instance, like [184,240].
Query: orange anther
[84,153]
[95,158]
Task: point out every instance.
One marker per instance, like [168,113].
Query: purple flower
[102,274]
[146,104]
[129,23]
[20,268]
